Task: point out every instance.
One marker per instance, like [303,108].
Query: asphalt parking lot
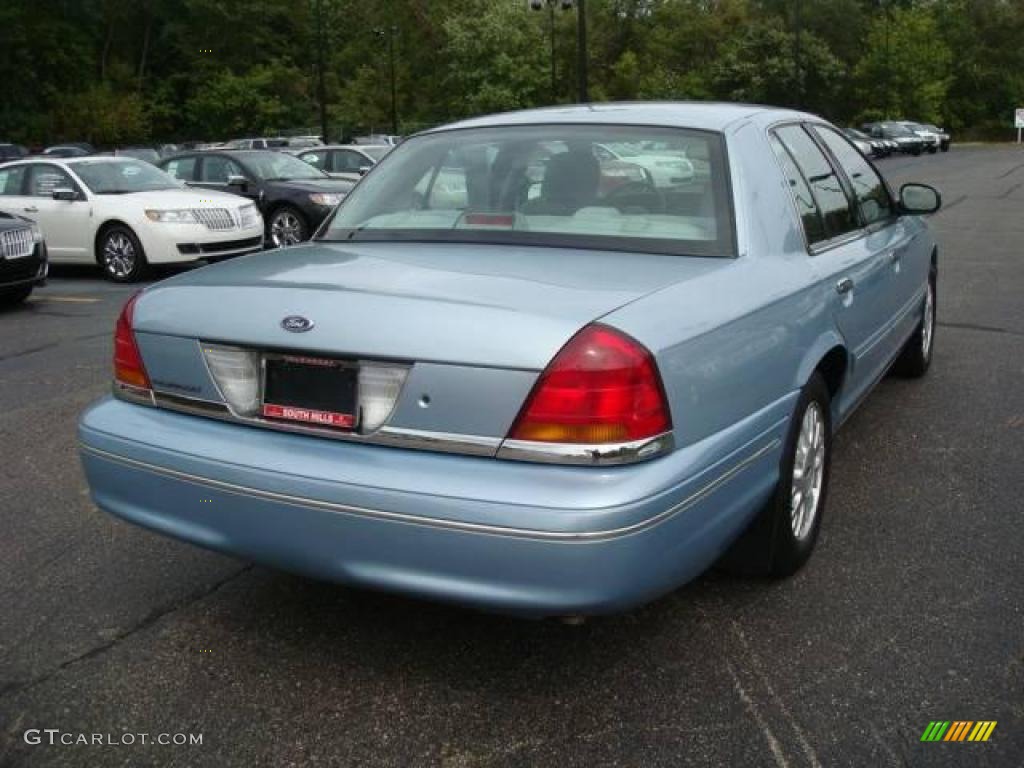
[910,611]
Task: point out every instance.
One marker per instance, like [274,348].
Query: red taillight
[602,387]
[128,367]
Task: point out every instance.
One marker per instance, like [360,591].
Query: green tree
[905,70]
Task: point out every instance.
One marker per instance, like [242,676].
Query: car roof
[357,147]
[699,115]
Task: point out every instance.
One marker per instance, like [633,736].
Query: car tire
[14,296]
[120,254]
[782,536]
[287,226]
[932,150]
[916,356]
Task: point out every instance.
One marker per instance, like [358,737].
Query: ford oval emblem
[296,324]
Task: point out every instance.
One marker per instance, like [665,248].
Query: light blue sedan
[515,373]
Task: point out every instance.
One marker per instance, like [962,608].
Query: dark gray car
[293,196]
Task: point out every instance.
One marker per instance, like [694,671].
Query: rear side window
[183,168]
[346,161]
[11,179]
[217,169]
[868,187]
[807,209]
[826,187]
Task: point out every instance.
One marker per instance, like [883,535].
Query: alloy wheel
[928,322]
[808,471]
[285,229]
[119,257]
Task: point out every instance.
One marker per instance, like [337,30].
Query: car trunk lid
[479,305]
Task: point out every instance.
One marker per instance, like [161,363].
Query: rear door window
[872,195]
[837,211]
[217,169]
[183,168]
[347,161]
[807,209]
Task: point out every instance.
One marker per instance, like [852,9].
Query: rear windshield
[637,188]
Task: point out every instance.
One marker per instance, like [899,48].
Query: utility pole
[321,89]
[798,53]
[394,84]
[581,49]
[554,80]
[888,66]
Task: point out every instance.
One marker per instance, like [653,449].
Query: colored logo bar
[958,730]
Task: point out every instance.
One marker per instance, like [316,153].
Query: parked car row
[126,214]
[907,137]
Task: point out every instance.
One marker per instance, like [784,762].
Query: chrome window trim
[580,537]
[813,249]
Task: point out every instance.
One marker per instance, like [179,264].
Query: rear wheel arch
[828,356]
[832,367]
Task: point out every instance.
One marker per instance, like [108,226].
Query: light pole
[797,52]
[321,89]
[888,66]
[391,31]
[581,41]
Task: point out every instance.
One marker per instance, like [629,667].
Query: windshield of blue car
[279,166]
[638,188]
[119,177]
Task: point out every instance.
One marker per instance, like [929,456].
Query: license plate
[310,390]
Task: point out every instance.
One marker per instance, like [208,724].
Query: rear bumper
[517,538]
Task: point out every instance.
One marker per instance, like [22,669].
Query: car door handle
[844,286]
[31,209]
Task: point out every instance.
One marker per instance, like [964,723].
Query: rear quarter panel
[743,339]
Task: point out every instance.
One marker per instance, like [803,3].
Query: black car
[69,150]
[293,196]
[23,263]
[907,142]
[12,152]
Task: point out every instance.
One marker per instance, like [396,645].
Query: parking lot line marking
[68,299]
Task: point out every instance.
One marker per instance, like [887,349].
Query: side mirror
[364,169]
[919,199]
[237,181]
[63,193]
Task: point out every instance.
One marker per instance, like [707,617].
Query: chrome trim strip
[395,437]
[423,440]
[455,525]
[586,454]
[475,445]
[132,394]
